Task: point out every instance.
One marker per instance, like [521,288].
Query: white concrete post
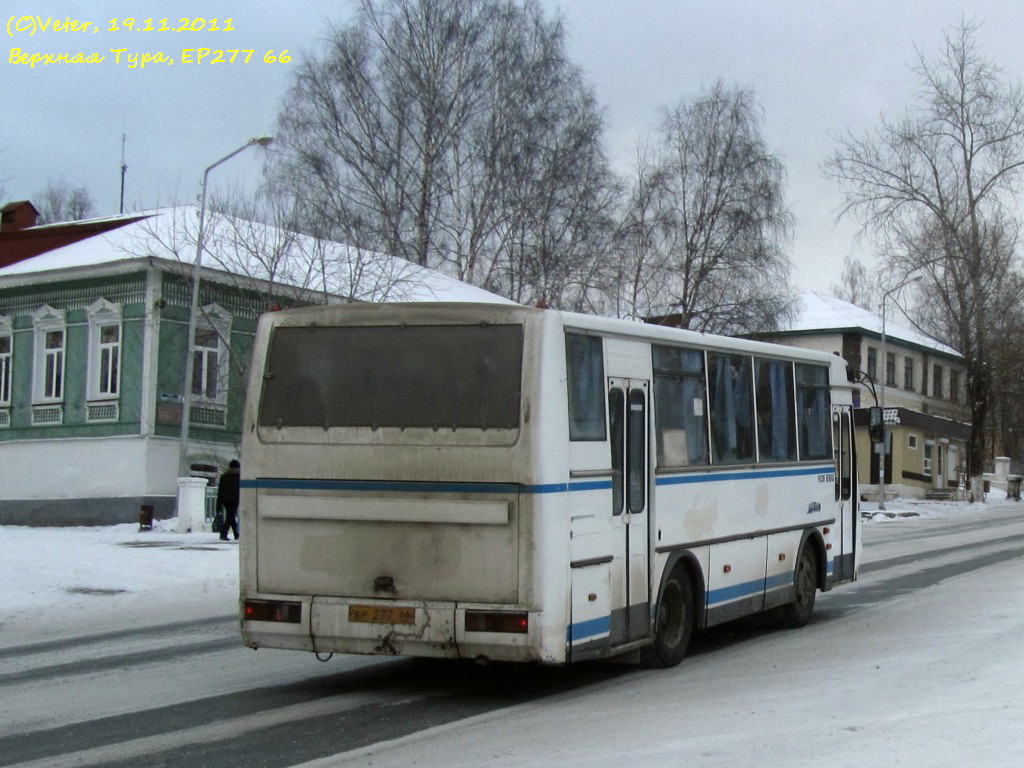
[1002,469]
[191,504]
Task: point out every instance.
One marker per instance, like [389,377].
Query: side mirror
[875,426]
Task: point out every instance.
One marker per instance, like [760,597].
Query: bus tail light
[272,610]
[497,621]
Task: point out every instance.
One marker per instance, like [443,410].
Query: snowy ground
[935,677]
[59,582]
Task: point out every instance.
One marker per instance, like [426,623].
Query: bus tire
[674,622]
[805,587]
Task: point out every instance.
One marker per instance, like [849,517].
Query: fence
[211,504]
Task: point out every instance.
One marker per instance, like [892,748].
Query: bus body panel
[395,540]
[394,544]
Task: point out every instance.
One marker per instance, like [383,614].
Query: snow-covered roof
[820,312]
[125,217]
[235,247]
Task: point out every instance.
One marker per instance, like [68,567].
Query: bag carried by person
[218,521]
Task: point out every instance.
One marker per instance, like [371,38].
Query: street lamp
[184,466]
[881,397]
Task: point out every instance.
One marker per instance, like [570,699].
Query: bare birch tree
[559,213]
[59,201]
[937,187]
[856,285]
[455,134]
[706,223]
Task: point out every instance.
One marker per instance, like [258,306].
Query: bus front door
[628,403]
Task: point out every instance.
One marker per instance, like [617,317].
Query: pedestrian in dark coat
[227,498]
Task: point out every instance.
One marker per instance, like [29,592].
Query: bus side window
[617,422]
[679,407]
[813,407]
[776,410]
[584,364]
[730,386]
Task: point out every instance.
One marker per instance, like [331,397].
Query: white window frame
[103,314]
[6,362]
[912,442]
[48,320]
[216,319]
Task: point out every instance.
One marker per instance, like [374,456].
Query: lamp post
[184,466]
[881,396]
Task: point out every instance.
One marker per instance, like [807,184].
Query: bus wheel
[798,613]
[673,625]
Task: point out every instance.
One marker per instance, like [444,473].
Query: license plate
[381,614]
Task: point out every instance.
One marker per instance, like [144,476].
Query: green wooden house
[93,339]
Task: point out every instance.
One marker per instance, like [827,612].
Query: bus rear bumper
[390,627]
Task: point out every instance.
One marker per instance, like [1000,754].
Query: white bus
[498,482]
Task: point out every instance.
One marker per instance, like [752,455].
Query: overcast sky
[817,67]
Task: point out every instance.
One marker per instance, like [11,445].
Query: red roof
[20,239]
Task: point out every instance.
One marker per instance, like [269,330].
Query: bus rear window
[435,377]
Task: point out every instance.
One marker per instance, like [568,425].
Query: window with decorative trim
[6,349]
[50,342]
[206,367]
[104,379]
[104,350]
[210,357]
[109,353]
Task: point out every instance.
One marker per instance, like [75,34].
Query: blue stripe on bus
[293,484]
[586,629]
[298,484]
[751,588]
[735,592]
[591,628]
[301,484]
[778,580]
[748,475]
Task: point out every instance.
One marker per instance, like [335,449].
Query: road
[187,694]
